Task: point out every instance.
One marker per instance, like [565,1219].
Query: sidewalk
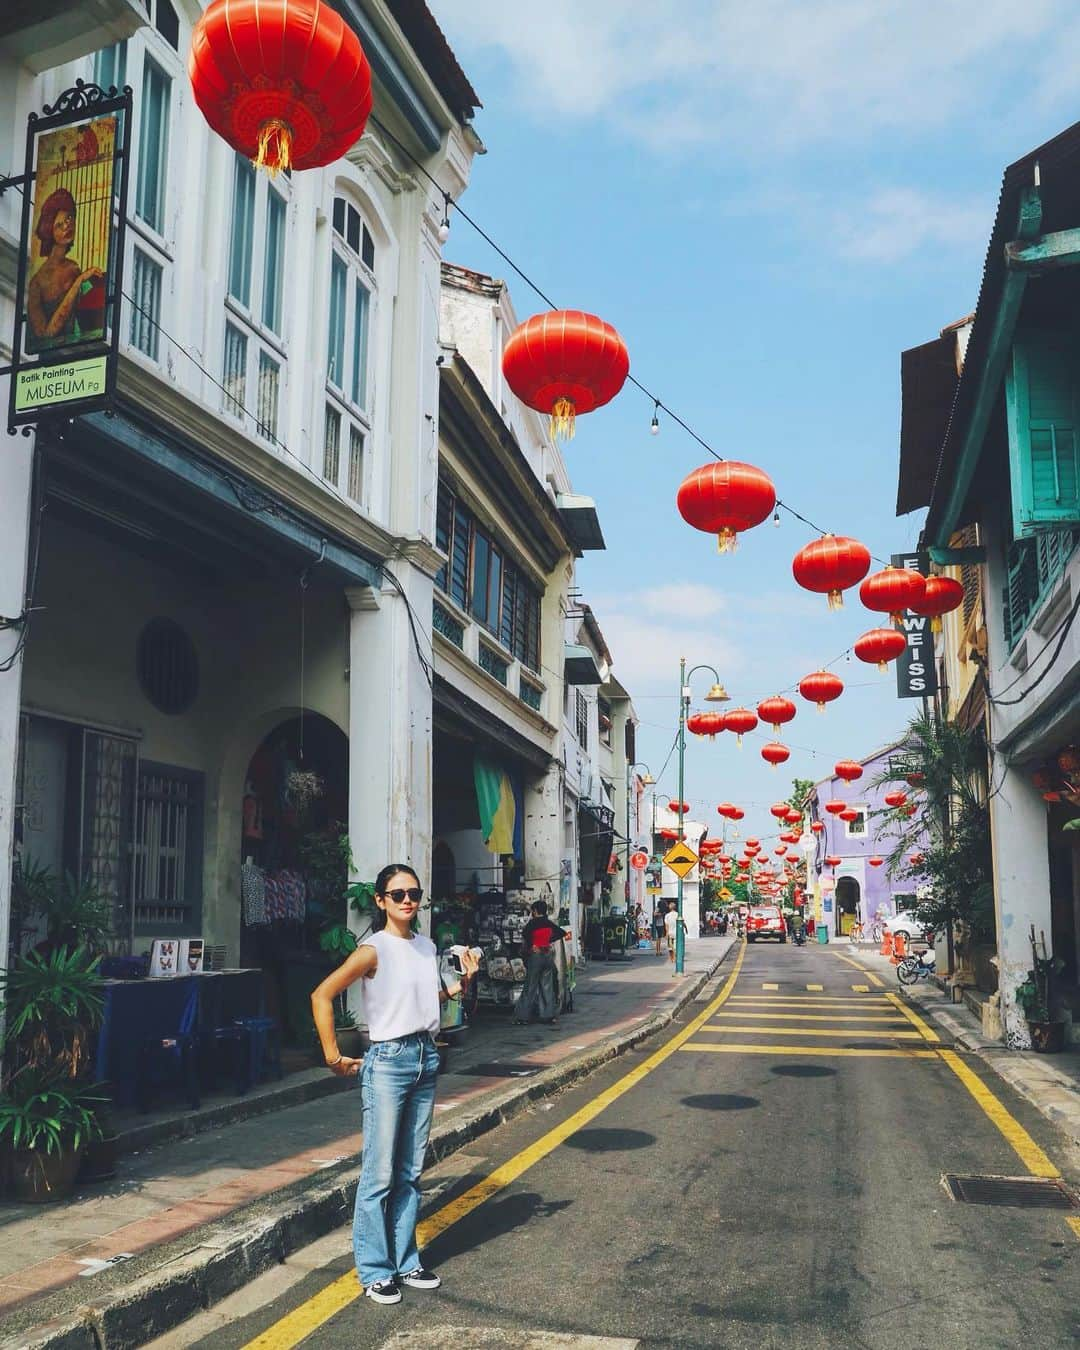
[1051,1083]
[194,1217]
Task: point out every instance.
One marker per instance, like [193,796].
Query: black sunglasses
[414,893]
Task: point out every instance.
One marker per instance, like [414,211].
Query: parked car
[907,924]
[765,921]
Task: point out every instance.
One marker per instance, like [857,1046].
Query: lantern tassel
[727,541]
[561,424]
[935,624]
[836,600]
[274,151]
[819,707]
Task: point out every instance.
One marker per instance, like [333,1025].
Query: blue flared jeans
[397,1091]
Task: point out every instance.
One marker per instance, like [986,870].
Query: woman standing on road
[402,994]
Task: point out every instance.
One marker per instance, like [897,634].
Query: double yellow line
[319,1309]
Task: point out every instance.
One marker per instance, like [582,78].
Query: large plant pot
[1047,1037]
[42,1178]
[99,1161]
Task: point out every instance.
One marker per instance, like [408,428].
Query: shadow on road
[803,1071]
[721,1101]
[499,1218]
[610,1141]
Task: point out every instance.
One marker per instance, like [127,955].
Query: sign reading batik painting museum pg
[70,277]
[916,670]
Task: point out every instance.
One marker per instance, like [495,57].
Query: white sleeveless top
[402,997]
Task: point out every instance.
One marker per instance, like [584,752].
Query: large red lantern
[776,711]
[848,770]
[725,498]
[564,363]
[895,798]
[892,590]
[830,565]
[284,82]
[705,724]
[780,810]
[880,646]
[942,595]
[821,687]
[835,806]
[774,753]
[740,721]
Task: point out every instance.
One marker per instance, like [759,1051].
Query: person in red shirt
[539,999]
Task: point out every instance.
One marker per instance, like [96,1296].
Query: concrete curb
[200,1269]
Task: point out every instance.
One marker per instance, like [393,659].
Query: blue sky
[770,202]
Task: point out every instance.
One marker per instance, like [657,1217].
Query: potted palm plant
[51,1005]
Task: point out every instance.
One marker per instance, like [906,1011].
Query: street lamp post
[717,694]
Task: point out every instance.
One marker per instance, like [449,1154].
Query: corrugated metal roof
[928,380]
[430,45]
[1058,161]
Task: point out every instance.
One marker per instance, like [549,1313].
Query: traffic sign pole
[680,928]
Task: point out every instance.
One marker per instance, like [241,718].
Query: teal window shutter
[1041,399]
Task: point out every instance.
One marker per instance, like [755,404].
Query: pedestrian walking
[402,992]
[539,1000]
[658,924]
[671,925]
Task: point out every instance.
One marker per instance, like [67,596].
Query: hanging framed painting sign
[70,275]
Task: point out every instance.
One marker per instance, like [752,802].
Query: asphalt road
[783,1189]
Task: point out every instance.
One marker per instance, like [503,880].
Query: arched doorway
[848,896]
[294,861]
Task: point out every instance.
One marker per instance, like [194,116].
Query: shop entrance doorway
[847,905]
[293,870]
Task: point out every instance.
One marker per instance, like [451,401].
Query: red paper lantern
[776,711]
[669,834]
[780,852]
[724,859]
[752,842]
[737,813]
[916,859]
[893,590]
[780,810]
[835,806]
[774,753]
[821,687]
[817,826]
[848,769]
[794,817]
[832,860]
[679,808]
[915,779]
[740,721]
[875,861]
[726,809]
[895,798]
[563,363]
[849,814]
[942,595]
[725,498]
[284,82]
[830,565]
[880,646]
[705,724]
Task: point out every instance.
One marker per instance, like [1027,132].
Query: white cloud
[753,78]
[690,600]
[897,222]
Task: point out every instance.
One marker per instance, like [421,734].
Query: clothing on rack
[253,895]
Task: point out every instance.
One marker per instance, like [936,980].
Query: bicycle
[877,932]
[913,968]
[856,934]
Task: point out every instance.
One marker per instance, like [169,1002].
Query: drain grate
[1019,1192]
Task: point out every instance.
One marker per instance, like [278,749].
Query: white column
[1021,888]
[543,835]
[390,728]
[16,475]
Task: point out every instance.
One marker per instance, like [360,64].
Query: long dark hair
[378,923]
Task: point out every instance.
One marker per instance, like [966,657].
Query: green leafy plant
[1035,994]
[52,1003]
[47,1114]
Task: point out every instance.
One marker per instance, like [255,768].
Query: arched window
[350,314]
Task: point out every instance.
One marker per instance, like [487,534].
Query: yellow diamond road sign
[725,894]
[680,859]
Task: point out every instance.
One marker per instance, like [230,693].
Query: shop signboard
[916,670]
[69,283]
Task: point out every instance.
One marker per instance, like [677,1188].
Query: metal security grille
[1019,1192]
[166,844]
[168,666]
[266,412]
[108,809]
[146,304]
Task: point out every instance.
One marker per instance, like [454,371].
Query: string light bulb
[444,227]
[776,519]
[654,425]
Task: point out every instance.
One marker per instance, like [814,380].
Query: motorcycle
[799,937]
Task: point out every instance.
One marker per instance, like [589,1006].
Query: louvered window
[1033,567]
[1044,447]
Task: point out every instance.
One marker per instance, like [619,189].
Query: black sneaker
[384,1291]
[421,1279]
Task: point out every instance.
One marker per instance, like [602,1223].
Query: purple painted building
[862,892]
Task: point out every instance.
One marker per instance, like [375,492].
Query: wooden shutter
[1044,455]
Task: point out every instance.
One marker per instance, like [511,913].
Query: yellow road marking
[861,988]
[321,1307]
[818,988]
[770,986]
[1074,1224]
[814,1017]
[874,979]
[838,1003]
[868,1033]
[927,1033]
[1025,1148]
[800,1050]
